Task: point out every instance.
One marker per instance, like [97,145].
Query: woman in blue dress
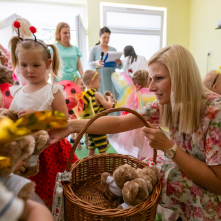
[96,62]
[70,55]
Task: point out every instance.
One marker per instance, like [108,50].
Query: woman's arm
[79,67]
[103,125]
[208,177]
[59,103]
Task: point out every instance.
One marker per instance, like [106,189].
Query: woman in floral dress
[190,167]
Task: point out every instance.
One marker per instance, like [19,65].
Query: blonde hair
[58,30]
[187,89]
[209,79]
[24,29]
[88,76]
[140,77]
[25,44]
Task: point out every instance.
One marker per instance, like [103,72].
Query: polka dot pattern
[52,160]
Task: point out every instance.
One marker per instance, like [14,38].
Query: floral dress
[180,194]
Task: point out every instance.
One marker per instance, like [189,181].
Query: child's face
[80,84]
[97,83]
[32,66]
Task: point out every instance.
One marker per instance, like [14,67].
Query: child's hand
[20,167]
[25,113]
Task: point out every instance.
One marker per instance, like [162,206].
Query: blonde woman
[190,167]
[212,81]
[70,55]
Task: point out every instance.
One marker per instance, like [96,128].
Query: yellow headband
[96,73]
[218,71]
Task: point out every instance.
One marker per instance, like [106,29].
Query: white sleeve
[11,207]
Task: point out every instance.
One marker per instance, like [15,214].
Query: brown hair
[25,44]
[102,31]
[88,76]
[141,77]
[6,75]
[58,30]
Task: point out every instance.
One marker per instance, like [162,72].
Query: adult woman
[132,62]
[95,61]
[190,169]
[70,55]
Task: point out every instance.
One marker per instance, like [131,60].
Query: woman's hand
[118,61]
[99,63]
[59,133]
[157,139]
[20,167]
[25,113]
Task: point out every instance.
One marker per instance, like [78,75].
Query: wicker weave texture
[84,197]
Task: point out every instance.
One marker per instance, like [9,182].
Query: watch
[170,153]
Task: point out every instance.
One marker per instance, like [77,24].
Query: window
[141,28]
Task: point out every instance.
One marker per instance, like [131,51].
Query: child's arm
[59,103]
[34,211]
[100,98]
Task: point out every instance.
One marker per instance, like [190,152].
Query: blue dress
[106,83]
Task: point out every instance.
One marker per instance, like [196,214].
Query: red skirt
[52,160]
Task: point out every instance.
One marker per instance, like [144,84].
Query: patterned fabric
[179,193]
[90,106]
[98,141]
[52,160]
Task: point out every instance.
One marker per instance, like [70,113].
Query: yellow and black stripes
[99,141]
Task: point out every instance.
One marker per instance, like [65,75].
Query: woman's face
[160,82]
[65,34]
[104,38]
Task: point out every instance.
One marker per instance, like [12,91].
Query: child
[212,81]
[133,142]
[80,84]
[94,102]
[33,58]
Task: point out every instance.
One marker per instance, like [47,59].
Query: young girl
[33,58]
[80,84]
[133,142]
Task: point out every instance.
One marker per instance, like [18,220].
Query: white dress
[39,100]
[129,68]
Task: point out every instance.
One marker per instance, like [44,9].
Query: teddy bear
[139,189]
[11,114]
[16,150]
[41,141]
[113,185]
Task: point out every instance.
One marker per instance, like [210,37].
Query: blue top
[69,57]
[106,83]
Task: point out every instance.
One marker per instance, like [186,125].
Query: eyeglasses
[218,73]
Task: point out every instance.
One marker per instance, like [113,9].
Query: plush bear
[16,150]
[139,189]
[12,114]
[113,185]
[41,142]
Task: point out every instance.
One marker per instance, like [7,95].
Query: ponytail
[55,59]
[13,44]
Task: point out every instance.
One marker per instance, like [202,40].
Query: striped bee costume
[99,141]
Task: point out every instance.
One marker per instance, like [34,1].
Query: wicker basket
[84,196]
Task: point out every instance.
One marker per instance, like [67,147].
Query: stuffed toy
[11,114]
[16,150]
[41,142]
[139,189]
[113,185]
